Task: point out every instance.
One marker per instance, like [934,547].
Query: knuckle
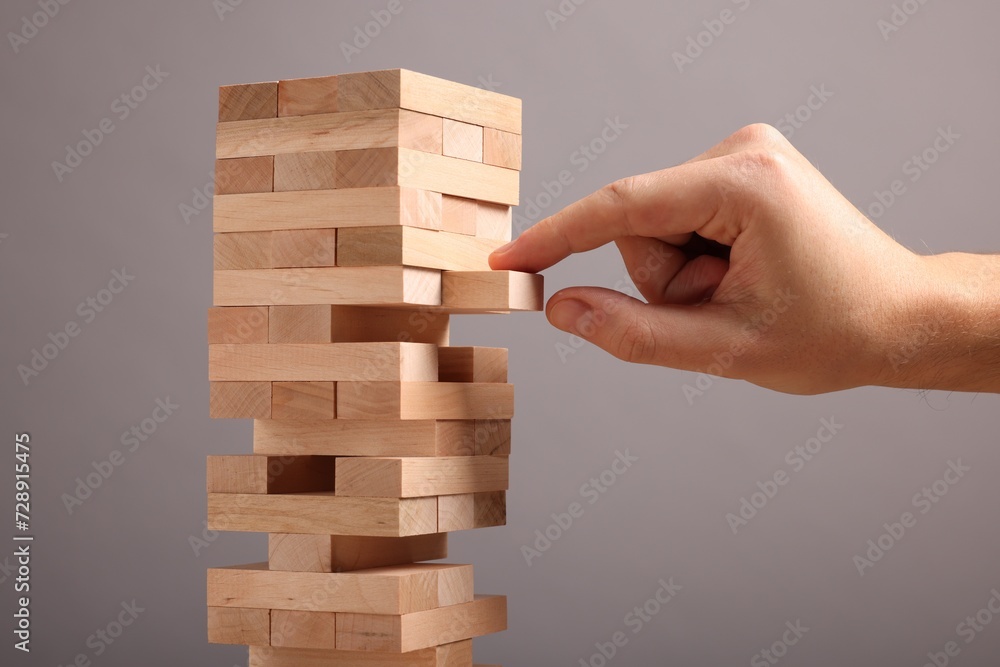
[635,341]
[760,134]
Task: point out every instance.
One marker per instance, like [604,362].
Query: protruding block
[303,400]
[502,149]
[237,325]
[472,364]
[327,209]
[463,140]
[380,246]
[348,553]
[304,171]
[339,286]
[412,477]
[245,250]
[243,175]
[472,510]
[424,400]
[360,324]
[240,400]
[322,362]
[322,514]
[387,89]
[456,654]
[303,97]
[248,102]
[270,474]
[303,248]
[349,437]
[228,625]
[492,290]
[400,589]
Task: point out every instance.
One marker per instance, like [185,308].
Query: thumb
[683,337]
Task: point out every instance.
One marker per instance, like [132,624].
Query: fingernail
[504,248]
[568,313]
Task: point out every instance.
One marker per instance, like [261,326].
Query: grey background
[666,516]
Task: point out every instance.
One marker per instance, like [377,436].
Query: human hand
[812,298]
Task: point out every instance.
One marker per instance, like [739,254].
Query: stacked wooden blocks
[353,215]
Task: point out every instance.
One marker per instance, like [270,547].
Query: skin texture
[753,266]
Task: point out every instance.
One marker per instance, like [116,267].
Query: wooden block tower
[353,215]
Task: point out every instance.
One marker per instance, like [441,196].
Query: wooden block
[304,171]
[456,654]
[492,437]
[420,476]
[302,97]
[346,437]
[493,221]
[422,629]
[301,629]
[459,215]
[347,553]
[228,625]
[327,209]
[341,285]
[472,510]
[322,514]
[502,149]
[240,400]
[382,167]
[248,102]
[462,140]
[400,589]
[323,362]
[472,364]
[360,324]
[238,325]
[303,400]
[380,246]
[329,132]
[299,324]
[409,90]
[424,400]
[303,248]
[492,290]
[270,474]
[244,250]
[244,174]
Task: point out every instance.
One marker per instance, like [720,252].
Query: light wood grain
[270,474]
[502,149]
[299,324]
[240,400]
[244,175]
[413,477]
[348,553]
[350,437]
[472,510]
[303,400]
[303,248]
[239,626]
[472,364]
[492,290]
[315,170]
[424,400]
[360,324]
[459,215]
[238,325]
[302,97]
[342,285]
[462,140]
[249,101]
[244,250]
[380,246]
[302,629]
[319,362]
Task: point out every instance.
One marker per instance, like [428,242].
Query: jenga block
[243,175]
[238,325]
[387,89]
[322,514]
[320,362]
[246,250]
[347,437]
[300,324]
[248,102]
[456,654]
[424,400]
[420,476]
[459,215]
[380,246]
[341,285]
[472,510]
[303,400]
[270,474]
[382,167]
[303,248]
[492,437]
[302,97]
[502,149]
[422,629]
[227,625]
[462,140]
[329,132]
[240,400]
[492,290]
[400,589]
[304,171]
[359,324]
[302,629]
[472,364]
[348,553]
[327,209]
[493,221]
